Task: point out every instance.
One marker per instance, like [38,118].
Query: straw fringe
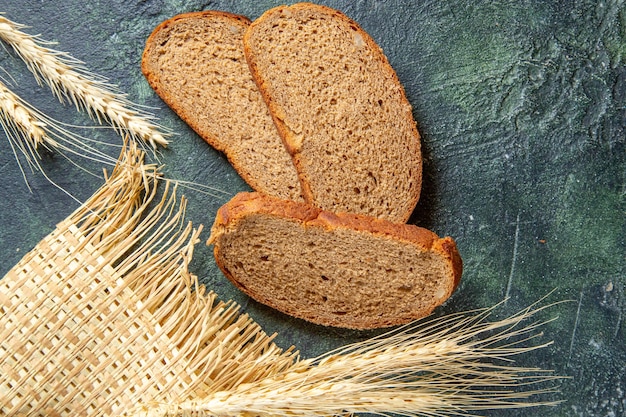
[104,314]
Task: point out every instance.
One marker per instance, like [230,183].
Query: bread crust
[293,142]
[245,204]
[187,115]
[154,81]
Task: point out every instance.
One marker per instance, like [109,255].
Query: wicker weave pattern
[113,352]
[102,317]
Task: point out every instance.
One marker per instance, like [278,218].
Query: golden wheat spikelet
[70,80]
[27,129]
[18,120]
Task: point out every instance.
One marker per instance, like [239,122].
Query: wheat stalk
[25,131]
[28,129]
[448,366]
[70,80]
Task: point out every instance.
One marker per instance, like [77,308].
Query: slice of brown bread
[344,270]
[340,109]
[195,63]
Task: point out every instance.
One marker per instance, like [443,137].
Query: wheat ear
[70,79]
[28,129]
[20,122]
[455,365]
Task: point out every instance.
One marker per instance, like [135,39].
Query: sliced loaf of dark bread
[195,63]
[340,109]
[344,270]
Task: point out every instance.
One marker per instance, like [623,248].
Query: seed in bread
[195,63]
[340,109]
[343,270]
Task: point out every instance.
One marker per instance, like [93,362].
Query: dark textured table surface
[522,110]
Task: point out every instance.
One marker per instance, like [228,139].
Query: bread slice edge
[245,204]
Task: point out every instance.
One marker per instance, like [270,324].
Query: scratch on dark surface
[618,325]
[571,344]
[7,164]
[514,259]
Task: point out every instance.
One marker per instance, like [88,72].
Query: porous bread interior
[339,277]
[345,116]
[198,62]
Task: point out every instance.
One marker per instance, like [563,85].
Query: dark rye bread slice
[340,109]
[343,270]
[195,63]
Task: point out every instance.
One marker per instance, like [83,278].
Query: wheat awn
[27,130]
[459,364]
[70,80]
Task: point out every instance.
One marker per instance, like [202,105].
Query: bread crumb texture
[340,108]
[331,269]
[195,62]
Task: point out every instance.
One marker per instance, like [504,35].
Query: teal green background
[522,109]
